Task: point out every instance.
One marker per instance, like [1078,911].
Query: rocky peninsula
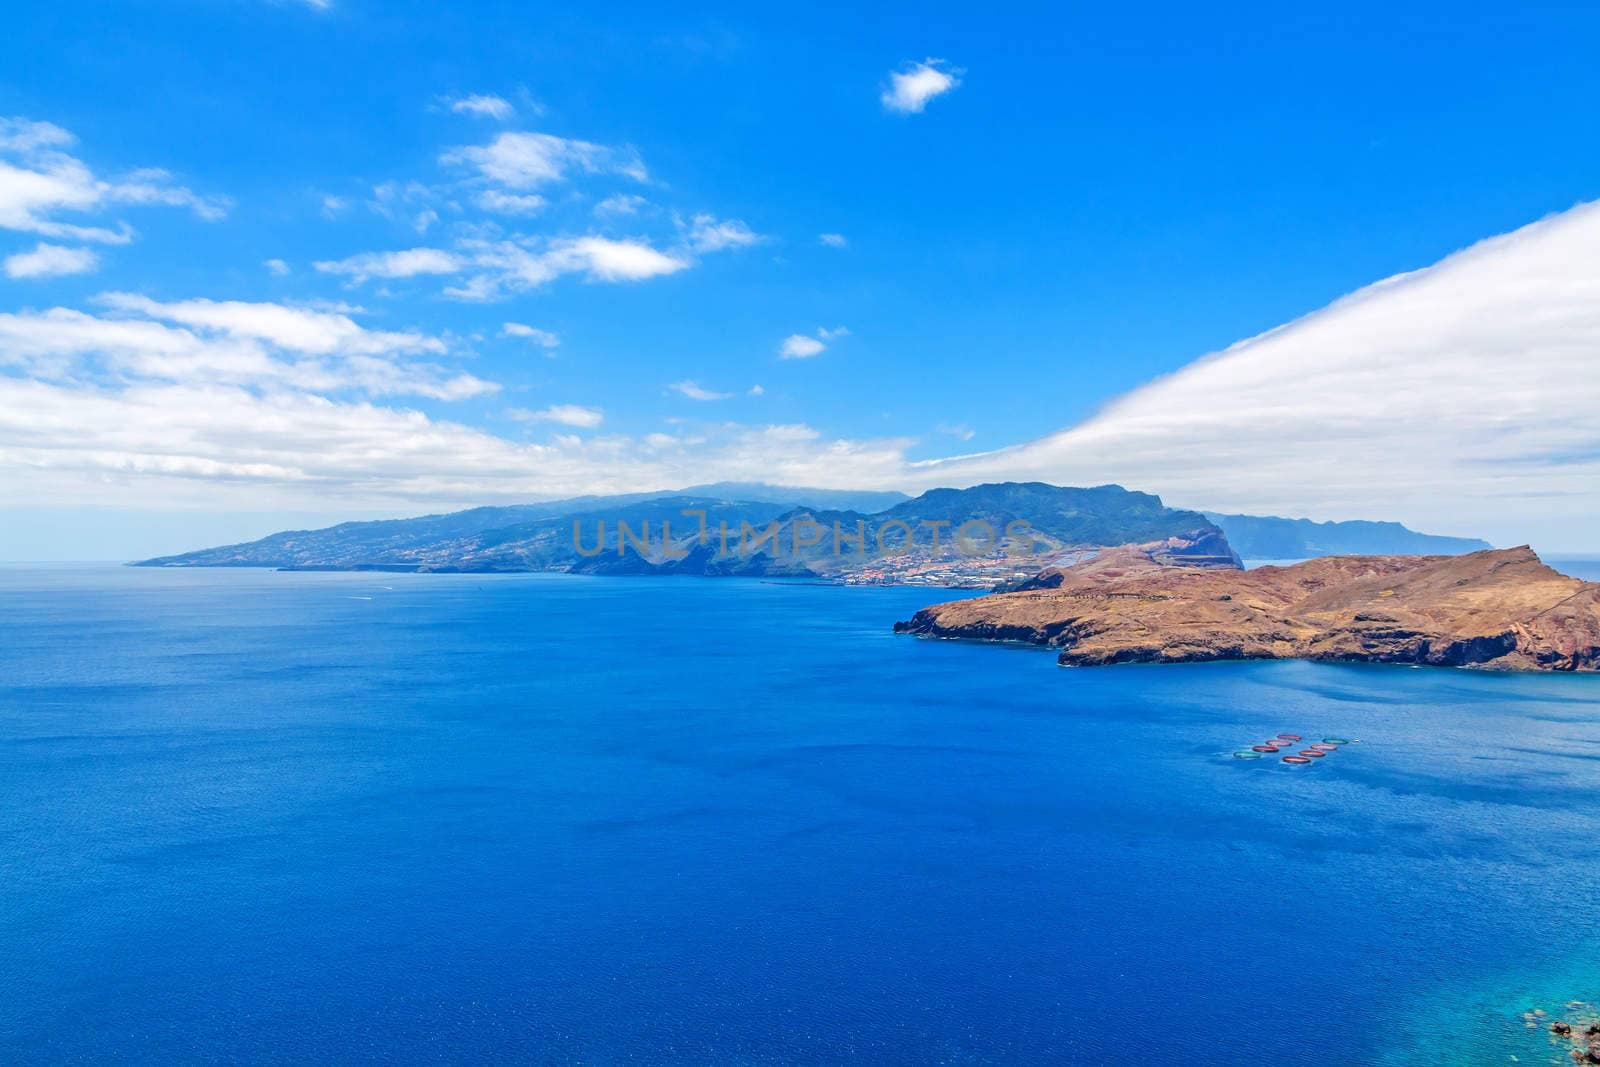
[1500,608]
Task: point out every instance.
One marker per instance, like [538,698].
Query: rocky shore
[1577,1031]
[1501,608]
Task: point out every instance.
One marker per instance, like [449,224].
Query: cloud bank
[1457,397]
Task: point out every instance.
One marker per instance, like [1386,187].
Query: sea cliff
[1498,608]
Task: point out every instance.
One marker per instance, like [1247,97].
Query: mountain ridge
[1275,537]
[1061,524]
[1016,528]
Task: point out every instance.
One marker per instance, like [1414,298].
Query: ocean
[249,816]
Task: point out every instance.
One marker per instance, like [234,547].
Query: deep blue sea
[255,817]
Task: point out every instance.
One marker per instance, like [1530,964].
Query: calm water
[254,817]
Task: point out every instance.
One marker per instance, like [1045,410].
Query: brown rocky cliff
[1499,608]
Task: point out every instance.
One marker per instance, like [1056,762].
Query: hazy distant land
[977,537]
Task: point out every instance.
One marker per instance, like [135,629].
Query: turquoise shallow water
[250,816]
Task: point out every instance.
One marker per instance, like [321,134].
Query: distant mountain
[520,538]
[1102,515]
[983,534]
[1270,537]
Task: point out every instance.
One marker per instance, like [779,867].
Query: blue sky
[1095,200]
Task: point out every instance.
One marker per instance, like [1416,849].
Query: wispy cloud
[504,203]
[297,329]
[482,105]
[709,234]
[532,334]
[495,268]
[833,240]
[51,261]
[509,266]
[694,391]
[523,160]
[565,414]
[620,204]
[405,264]
[40,181]
[252,345]
[911,87]
[412,203]
[514,176]
[804,346]
[276,266]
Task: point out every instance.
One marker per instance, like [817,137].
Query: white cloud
[276,266]
[756,390]
[412,203]
[802,346]
[504,203]
[522,160]
[565,414]
[799,346]
[51,261]
[510,176]
[405,264]
[26,137]
[227,343]
[220,446]
[39,181]
[833,240]
[694,391]
[911,87]
[620,204]
[1457,398]
[708,234]
[509,266]
[483,106]
[295,328]
[334,206]
[612,261]
[542,338]
[495,268]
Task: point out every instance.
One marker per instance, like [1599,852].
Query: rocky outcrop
[1498,608]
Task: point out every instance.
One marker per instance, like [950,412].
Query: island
[988,536]
[1499,608]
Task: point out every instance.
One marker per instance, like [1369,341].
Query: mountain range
[1270,537]
[983,535]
